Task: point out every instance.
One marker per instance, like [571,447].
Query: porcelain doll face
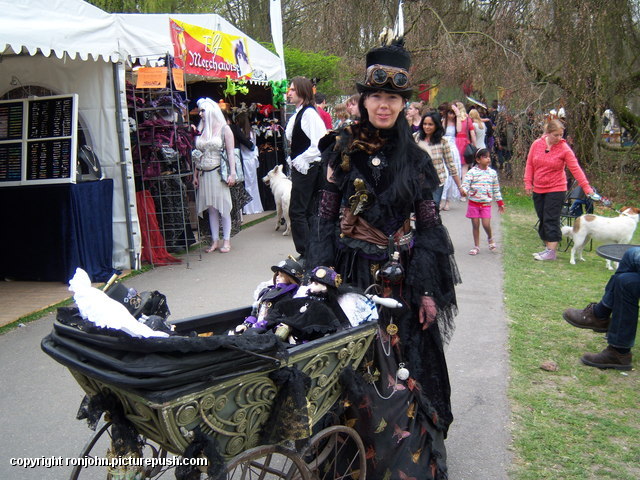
[282,277]
[315,287]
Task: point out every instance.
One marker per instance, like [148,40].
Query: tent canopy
[78,29]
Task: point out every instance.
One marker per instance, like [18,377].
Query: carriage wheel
[267,462]
[96,449]
[336,453]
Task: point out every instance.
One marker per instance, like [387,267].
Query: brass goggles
[380,75]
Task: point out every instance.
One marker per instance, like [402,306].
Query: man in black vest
[304,130]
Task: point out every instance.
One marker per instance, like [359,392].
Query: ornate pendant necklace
[377,163]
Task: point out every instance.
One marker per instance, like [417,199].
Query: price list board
[38,140]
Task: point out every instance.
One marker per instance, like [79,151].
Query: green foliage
[591,413]
[324,67]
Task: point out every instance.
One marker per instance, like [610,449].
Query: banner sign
[210,53]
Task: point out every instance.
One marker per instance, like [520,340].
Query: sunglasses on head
[380,75]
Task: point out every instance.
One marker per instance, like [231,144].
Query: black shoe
[608,358]
[586,319]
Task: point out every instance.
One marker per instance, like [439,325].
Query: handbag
[225,167]
[470,150]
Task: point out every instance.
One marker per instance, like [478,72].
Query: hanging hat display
[388,70]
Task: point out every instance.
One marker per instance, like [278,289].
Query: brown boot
[608,358]
[586,319]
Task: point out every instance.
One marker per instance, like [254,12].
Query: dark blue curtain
[50,230]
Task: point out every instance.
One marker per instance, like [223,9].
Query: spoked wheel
[267,462]
[336,453]
[93,463]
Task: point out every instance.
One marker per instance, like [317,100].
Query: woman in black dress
[378,180]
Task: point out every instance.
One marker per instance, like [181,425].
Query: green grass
[578,422]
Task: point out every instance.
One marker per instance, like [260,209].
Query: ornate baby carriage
[221,397]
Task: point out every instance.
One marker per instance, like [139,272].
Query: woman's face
[352,109]
[383,108]
[554,136]
[428,126]
[412,112]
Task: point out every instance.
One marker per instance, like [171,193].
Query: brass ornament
[392,329]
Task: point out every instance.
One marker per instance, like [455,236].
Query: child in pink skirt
[481,186]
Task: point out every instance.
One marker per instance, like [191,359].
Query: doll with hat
[314,312]
[287,277]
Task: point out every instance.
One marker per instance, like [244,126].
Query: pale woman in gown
[250,163]
[213,195]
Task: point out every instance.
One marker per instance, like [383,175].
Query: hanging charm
[402,372]
[377,163]
[392,329]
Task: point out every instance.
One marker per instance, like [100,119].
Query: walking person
[481,186]
[545,176]
[304,130]
[616,314]
[465,134]
[214,196]
[450,191]
[431,140]
[376,177]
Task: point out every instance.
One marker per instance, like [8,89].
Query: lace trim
[427,214]
[329,205]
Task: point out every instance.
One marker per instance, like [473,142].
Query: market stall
[69,47]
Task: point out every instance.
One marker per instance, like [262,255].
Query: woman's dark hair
[406,150]
[436,136]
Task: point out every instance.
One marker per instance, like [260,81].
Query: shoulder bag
[225,167]
[470,150]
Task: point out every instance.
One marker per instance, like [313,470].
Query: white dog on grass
[602,229]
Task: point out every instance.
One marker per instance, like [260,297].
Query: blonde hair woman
[413,116]
[465,133]
[479,128]
[545,176]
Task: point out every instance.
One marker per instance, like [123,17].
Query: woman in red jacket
[545,176]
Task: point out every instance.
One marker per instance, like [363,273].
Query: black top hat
[290,267]
[326,276]
[388,70]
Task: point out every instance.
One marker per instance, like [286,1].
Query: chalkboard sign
[38,140]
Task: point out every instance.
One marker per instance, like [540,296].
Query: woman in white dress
[479,128]
[214,195]
[451,191]
[250,165]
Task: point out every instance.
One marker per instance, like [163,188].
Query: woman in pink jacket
[545,176]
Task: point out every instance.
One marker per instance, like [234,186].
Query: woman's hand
[196,175]
[428,312]
[231,179]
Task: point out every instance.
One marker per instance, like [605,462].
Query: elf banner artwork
[210,53]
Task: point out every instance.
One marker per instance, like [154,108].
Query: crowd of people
[368,189]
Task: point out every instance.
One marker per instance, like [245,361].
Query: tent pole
[123,163]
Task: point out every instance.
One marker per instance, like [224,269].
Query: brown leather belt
[354,226]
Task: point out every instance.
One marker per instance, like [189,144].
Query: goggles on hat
[380,75]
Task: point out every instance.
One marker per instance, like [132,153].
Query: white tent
[70,46]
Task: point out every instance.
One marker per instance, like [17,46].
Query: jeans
[621,295]
[437,194]
[301,206]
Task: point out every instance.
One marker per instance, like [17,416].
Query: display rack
[161,146]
